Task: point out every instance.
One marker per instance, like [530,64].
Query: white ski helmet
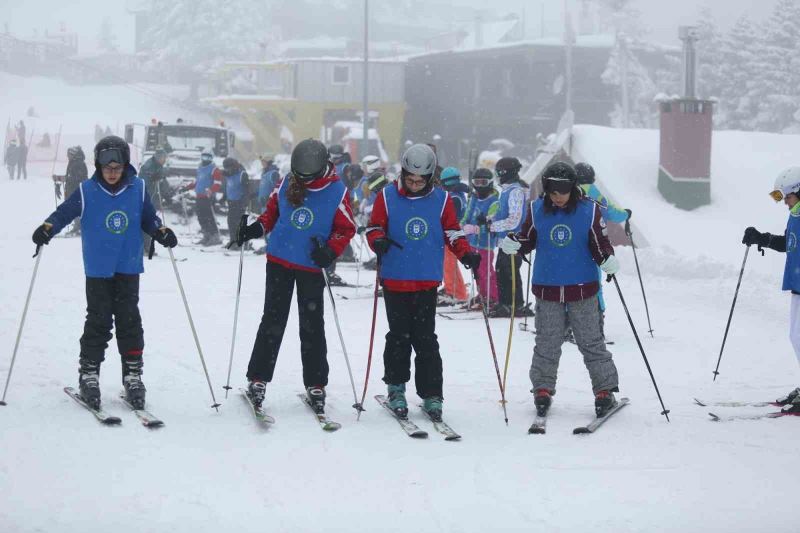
[787,182]
[370,164]
[419,159]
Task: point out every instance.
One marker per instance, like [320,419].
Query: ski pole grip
[152,248]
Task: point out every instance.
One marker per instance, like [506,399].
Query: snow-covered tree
[623,64]
[740,51]
[106,38]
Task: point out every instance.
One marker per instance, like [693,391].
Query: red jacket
[343,225]
[599,246]
[454,239]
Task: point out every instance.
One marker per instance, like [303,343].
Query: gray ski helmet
[309,160]
[111,149]
[419,159]
[585,173]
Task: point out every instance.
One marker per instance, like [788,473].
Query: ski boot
[132,381]
[500,311]
[256,390]
[397,400]
[604,401]
[523,311]
[792,408]
[542,400]
[433,406]
[335,281]
[89,382]
[316,396]
[789,398]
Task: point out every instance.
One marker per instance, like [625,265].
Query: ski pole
[524,325]
[55,157]
[488,268]
[38,256]
[357,406]
[513,312]
[371,333]
[730,316]
[664,411]
[227,386]
[494,358]
[639,273]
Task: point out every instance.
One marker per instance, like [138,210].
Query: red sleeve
[527,234]
[454,236]
[599,244]
[344,227]
[216,184]
[270,215]
[378,221]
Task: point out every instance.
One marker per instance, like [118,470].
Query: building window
[341,74]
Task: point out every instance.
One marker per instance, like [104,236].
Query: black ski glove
[471,260]
[628,222]
[322,255]
[245,233]
[753,236]
[480,219]
[381,245]
[43,234]
[166,238]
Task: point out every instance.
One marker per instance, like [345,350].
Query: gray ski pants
[552,319]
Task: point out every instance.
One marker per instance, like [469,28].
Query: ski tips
[3,403]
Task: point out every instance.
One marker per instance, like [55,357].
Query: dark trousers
[311,308]
[22,169]
[112,302]
[236,209]
[503,267]
[10,171]
[412,324]
[205,216]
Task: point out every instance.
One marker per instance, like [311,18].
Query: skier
[787,188]
[206,185]
[375,183]
[115,209]
[152,172]
[508,219]
[236,188]
[569,235]
[310,205]
[270,176]
[75,174]
[343,166]
[454,290]
[481,207]
[10,157]
[22,159]
[412,222]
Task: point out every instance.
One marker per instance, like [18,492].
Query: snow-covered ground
[207,471]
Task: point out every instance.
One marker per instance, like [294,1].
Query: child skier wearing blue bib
[412,221]
[787,188]
[309,206]
[114,208]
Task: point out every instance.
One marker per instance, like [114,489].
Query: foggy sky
[660,17]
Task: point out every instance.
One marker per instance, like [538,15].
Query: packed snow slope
[209,471]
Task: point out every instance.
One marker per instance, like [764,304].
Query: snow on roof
[491,33]
[581,41]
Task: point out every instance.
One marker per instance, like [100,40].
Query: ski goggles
[481,183]
[110,155]
[560,186]
[206,157]
[777,195]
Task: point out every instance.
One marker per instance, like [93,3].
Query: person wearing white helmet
[787,189]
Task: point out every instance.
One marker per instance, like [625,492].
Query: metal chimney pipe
[689,35]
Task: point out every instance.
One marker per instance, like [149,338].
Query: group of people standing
[15,157]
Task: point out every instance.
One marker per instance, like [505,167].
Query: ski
[258,412]
[459,316]
[442,427]
[148,419]
[99,414]
[774,414]
[735,404]
[324,422]
[539,426]
[411,429]
[592,426]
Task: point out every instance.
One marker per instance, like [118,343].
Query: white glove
[510,246]
[610,266]
[470,229]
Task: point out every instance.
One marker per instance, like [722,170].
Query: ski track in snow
[206,472]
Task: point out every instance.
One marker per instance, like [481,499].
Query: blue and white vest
[291,238]
[503,211]
[562,245]
[415,224]
[791,274]
[477,207]
[111,229]
[204,179]
[233,187]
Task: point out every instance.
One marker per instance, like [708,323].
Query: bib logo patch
[416,229]
[561,235]
[117,222]
[302,218]
[791,242]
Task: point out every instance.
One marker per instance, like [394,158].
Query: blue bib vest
[233,187]
[204,179]
[291,238]
[503,211]
[481,207]
[415,224]
[111,229]
[268,180]
[791,274]
[459,202]
[562,245]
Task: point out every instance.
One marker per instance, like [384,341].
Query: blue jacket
[611,212]
[112,222]
[476,206]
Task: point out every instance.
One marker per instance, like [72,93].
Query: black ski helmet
[507,169]
[309,160]
[111,149]
[585,173]
[482,180]
[559,177]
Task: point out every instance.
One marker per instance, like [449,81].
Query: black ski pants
[412,324]
[311,308]
[205,216]
[503,267]
[112,302]
[236,209]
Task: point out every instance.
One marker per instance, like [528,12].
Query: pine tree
[106,38]
[740,51]
[711,82]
